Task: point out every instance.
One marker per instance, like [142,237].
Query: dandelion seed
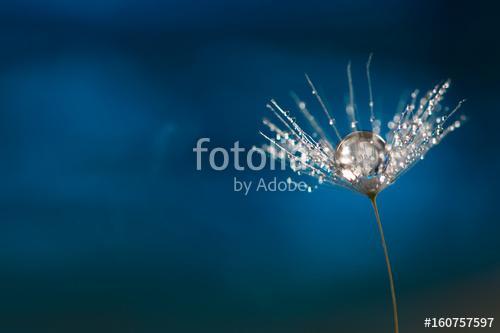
[363,161]
[365,155]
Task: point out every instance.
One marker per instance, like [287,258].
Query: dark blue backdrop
[106,226]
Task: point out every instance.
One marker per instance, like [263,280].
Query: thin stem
[373,200]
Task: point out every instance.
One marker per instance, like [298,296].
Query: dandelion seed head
[362,160]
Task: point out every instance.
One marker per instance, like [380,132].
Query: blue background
[106,226]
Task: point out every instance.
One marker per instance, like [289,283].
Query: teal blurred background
[106,226]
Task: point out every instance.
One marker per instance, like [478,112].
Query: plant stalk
[373,199]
